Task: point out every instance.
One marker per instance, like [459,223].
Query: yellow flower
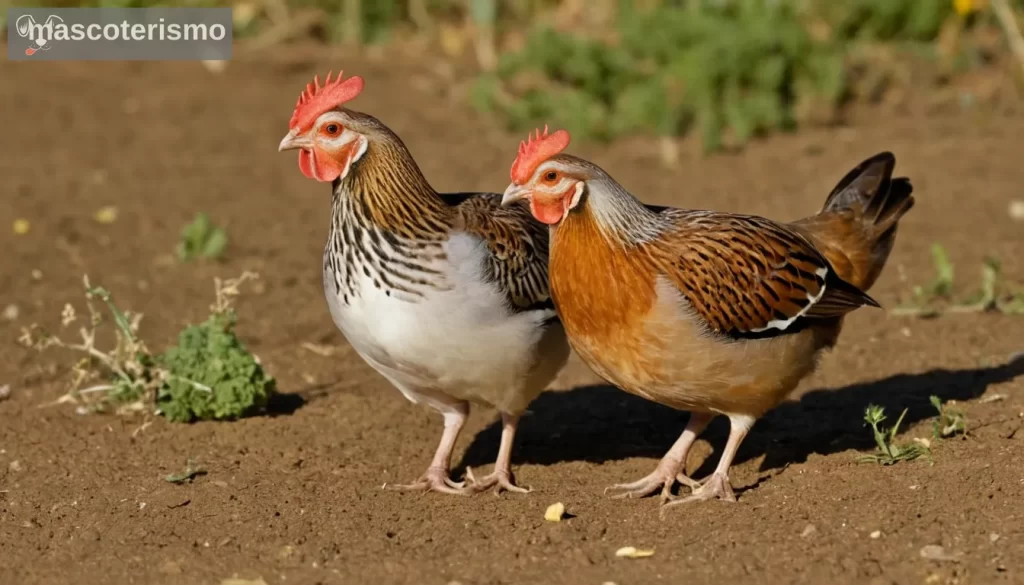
[963,7]
[21,226]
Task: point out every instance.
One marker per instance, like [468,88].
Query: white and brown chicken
[446,295]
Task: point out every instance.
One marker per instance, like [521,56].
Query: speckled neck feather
[387,222]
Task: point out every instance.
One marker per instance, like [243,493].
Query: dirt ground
[295,496]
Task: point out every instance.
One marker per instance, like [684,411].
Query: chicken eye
[332,129]
[550,176]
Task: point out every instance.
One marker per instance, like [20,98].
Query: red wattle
[323,169]
[547,212]
[306,163]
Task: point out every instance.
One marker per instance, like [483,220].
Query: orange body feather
[623,316]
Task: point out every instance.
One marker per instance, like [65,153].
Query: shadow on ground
[602,423]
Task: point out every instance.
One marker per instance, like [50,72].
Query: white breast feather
[460,340]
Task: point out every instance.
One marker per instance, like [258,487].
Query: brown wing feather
[745,274]
[518,245]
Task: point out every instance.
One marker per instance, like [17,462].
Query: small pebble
[808,530]
[11,312]
[876,534]
[5,392]
[37,274]
[934,552]
[215,65]
[15,466]
[993,537]
[21,226]
[1017,210]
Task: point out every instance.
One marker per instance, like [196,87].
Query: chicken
[445,295]
[714,313]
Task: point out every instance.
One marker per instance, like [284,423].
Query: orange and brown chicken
[710,312]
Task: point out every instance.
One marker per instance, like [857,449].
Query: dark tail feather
[864,210]
[870,189]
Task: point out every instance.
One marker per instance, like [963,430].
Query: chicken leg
[670,467]
[717,484]
[436,478]
[501,478]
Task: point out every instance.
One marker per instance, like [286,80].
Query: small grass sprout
[889,452]
[936,298]
[950,421]
[201,238]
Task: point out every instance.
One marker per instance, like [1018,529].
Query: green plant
[745,67]
[949,422]
[201,238]
[888,451]
[883,20]
[211,374]
[208,375]
[936,298]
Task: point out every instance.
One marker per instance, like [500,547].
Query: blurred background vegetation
[722,70]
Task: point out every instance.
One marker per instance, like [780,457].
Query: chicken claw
[661,478]
[434,480]
[714,486]
[499,480]
[670,467]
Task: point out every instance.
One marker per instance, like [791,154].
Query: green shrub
[883,20]
[740,66]
[211,376]
[728,69]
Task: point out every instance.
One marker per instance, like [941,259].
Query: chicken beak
[294,140]
[513,194]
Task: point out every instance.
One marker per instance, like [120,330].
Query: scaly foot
[714,486]
[434,480]
[499,480]
[663,477]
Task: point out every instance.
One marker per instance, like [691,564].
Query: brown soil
[295,497]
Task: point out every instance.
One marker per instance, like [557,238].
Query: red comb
[316,100]
[535,150]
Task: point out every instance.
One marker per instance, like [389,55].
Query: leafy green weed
[936,298]
[949,422]
[888,451]
[201,238]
